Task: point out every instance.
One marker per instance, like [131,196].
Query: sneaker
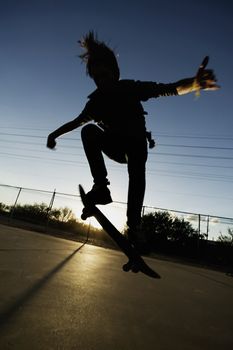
[99,194]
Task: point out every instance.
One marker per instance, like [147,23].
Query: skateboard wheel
[126,267]
[135,268]
[86,213]
[130,265]
[83,217]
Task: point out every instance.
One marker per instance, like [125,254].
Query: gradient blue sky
[43,85]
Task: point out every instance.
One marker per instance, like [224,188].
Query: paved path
[58,294]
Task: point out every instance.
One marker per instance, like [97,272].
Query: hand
[51,143]
[205,78]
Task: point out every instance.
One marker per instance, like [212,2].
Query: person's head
[100,60]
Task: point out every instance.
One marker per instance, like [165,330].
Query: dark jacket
[118,109]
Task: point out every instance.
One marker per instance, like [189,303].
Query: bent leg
[93,140]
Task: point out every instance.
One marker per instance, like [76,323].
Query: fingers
[51,146]
[208,74]
[208,80]
[51,143]
[210,85]
[204,62]
[202,67]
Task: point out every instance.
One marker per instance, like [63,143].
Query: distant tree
[54,214]
[66,214]
[226,239]
[3,208]
[182,230]
[159,227]
[62,214]
[31,212]
[156,226]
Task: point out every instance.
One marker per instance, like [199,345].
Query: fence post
[13,209]
[143,210]
[50,208]
[207,229]
[199,225]
[199,234]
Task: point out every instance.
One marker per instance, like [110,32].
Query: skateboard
[136,262]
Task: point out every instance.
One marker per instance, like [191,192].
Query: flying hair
[97,53]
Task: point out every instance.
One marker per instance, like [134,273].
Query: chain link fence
[59,214]
[65,207]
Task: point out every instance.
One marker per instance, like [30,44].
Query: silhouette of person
[119,130]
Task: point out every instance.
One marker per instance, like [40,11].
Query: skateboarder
[119,130]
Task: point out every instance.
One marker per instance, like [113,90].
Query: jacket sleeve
[84,117]
[149,89]
[73,124]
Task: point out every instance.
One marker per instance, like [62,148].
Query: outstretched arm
[73,124]
[204,80]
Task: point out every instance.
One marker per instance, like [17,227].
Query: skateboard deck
[136,262]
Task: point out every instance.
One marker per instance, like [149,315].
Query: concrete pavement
[58,294]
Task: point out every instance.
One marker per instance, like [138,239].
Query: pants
[132,151]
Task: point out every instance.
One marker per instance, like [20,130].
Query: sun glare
[114,212]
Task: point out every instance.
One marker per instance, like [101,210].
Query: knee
[90,131]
